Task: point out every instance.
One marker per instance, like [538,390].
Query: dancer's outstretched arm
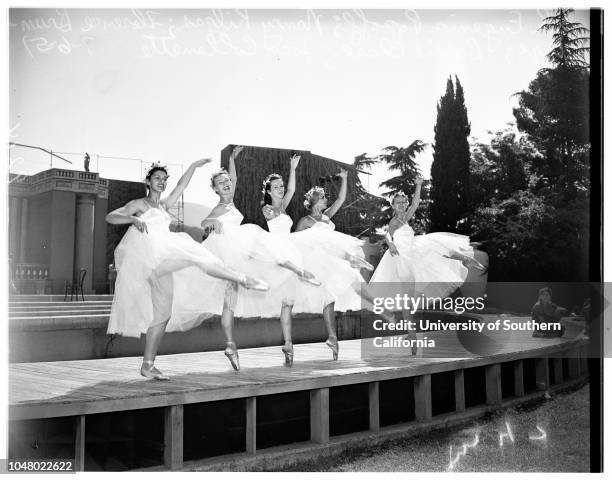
[232,165]
[295,159]
[331,211]
[128,214]
[415,200]
[183,182]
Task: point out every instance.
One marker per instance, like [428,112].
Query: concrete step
[59,313]
[59,304]
[57,298]
[60,322]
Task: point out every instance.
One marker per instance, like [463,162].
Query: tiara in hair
[266,180]
[154,166]
[216,174]
[309,194]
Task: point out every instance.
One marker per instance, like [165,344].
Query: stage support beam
[173,436]
[573,365]
[251,424]
[584,363]
[422,397]
[374,403]
[558,370]
[79,443]
[493,384]
[459,391]
[519,385]
[319,415]
[541,373]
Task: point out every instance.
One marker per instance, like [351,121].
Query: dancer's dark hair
[266,185]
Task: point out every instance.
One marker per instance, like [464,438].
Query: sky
[175,85]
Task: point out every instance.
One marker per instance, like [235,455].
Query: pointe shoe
[302,274]
[467,261]
[332,342]
[288,351]
[358,262]
[149,371]
[306,276]
[470,262]
[254,283]
[231,352]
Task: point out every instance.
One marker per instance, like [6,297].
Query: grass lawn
[548,436]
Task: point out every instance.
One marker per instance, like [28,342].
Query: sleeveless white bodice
[280,224]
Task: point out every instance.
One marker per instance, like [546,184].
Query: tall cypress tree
[450,172]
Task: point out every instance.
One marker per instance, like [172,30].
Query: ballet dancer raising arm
[331,211]
[275,201]
[401,216]
[224,184]
[295,160]
[149,257]
[249,246]
[319,210]
[157,179]
[183,182]
[279,198]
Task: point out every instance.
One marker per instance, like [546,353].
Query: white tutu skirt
[250,250]
[149,265]
[324,253]
[422,266]
[334,243]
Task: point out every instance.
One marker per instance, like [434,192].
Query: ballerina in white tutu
[309,298]
[433,265]
[249,248]
[333,257]
[149,256]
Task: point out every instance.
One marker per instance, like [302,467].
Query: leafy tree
[528,239]
[531,192]
[501,167]
[363,162]
[370,207]
[451,158]
[554,110]
[569,40]
[401,160]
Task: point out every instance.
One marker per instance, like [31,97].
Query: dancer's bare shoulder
[136,207]
[217,211]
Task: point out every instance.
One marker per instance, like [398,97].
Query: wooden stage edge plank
[50,409]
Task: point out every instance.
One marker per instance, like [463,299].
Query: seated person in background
[585,311]
[546,312]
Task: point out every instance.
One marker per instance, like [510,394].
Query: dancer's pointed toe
[231,352]
[306,276]
[332,342]
[254,284]
[147,370]
[288,351]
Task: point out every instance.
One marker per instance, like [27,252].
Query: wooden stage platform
[79,390]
